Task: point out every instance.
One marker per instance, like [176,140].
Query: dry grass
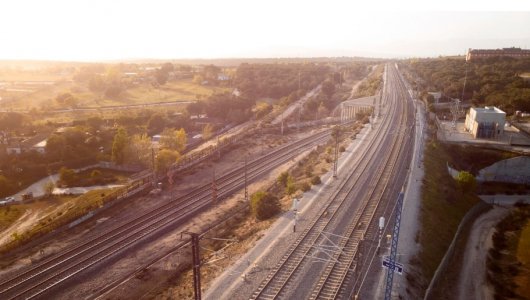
[523,255]
[43,97]
[61,211]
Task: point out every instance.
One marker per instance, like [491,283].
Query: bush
[316,180]
[342,149]
[305,187]
[264,205]
[95,174]
[282,179]
[466,181]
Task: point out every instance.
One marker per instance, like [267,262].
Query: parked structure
[473,54]
[485,122]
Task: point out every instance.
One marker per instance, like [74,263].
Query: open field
[42,97]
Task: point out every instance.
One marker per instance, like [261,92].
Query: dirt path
[472,283]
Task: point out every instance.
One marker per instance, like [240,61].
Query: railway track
[300,252]
[332,282]
[43,276]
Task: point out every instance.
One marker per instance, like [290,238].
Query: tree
[282,179]
[207,132]
[95,123]
[182,140]
[67,176]
[4,185]
[96,84]
[161,76]
[264,205]
[290,187]
[55,147]
[119,145]
[139,150]
[328,88]
[165,159]
[174,139]
[156,123]
[12,120]
[113,90]
[167,67]
[66,99]
[48,188]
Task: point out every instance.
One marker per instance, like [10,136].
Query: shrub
[305,187]
[264,205]
[282,179]
[316,180]
[95,174]
[466,181]
[342,149]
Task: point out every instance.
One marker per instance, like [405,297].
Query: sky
[91,30]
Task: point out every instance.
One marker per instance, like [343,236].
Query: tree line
[492,81]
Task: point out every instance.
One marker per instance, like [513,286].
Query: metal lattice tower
[393,248]
[456,111]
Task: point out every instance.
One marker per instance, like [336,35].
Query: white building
[485,122]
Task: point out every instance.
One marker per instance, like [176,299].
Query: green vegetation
[174,139]
[370,86]
[494,81]
[9,214]
[75,208]
[316,180]
[508,266]
[165,159]
[69,178]
[121,140]
[443,206]
[264,205]
[466,182]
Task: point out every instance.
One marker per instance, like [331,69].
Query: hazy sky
[128,29]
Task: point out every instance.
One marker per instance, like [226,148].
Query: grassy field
[523,255]
[43,97]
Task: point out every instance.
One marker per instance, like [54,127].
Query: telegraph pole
[246,181]
[214,188]
[196,263]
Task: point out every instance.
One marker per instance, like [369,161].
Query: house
[223,77]
[20,145]
[485,122]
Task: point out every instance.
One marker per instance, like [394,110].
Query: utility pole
[153,164]
[196,260]
[299,113]
[214,189]
[336,133]
[218,148]
[246,181]
[295,212]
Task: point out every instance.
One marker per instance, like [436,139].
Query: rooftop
[488,109]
